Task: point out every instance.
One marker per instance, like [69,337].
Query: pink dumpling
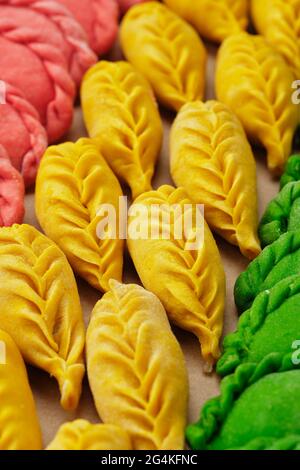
[126,4]
[21,134]
[12,193]
[99,18]
[52,23]
[38,71]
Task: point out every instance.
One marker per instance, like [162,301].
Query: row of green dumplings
[282,213]
[260,361]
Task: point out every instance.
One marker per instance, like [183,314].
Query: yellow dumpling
[214,19]
[19,425]
[136,368]
[279,22]
[255,82]
[212,159]
[177,259]
[74,185]
[167,51]
[122,117]
[82,435]
[40,307]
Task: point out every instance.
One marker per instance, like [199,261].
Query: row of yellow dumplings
[276,20]
[252,77]
[136,370]
[74,180]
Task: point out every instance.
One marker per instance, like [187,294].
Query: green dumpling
[276,262]
[282,214]
[254,412]
[270,327]
[291,172]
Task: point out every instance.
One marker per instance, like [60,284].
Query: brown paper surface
[202,387]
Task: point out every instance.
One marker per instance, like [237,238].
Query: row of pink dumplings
[46,46]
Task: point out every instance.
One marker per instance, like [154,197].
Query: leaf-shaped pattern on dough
[277,261]
[279,22]
[291,172]
[167,51]
[19,425]
[82,435]
[226,422]
[214,19]
[255,82]
[282,214]
[212,159]
[73,183]
[136,368]
[40,307]
[121,115]
[189,283]
[269,327]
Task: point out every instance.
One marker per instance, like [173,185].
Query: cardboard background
[202,386]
